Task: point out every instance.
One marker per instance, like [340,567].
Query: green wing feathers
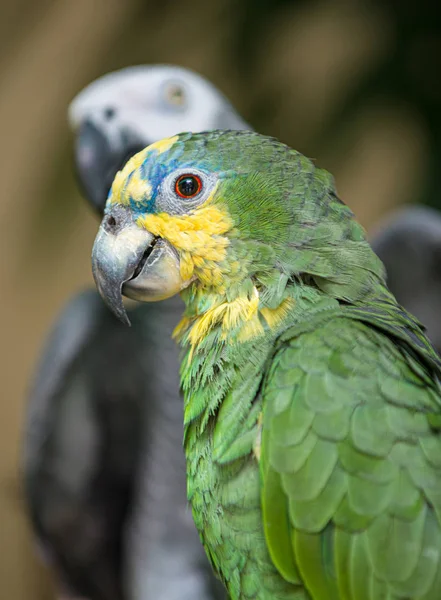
[351,466]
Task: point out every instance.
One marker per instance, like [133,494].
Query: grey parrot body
[409,244]
[103,462]
[82,445]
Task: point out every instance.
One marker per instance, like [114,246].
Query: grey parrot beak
[130,261]
[97,161]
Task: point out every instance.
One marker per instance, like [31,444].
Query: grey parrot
[408,242]
[104,468]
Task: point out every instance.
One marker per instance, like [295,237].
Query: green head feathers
[238,214]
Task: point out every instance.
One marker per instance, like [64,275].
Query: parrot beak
[131,261]
[97,160]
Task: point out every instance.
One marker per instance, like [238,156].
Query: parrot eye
[175,95]
[184,189]
[188,186]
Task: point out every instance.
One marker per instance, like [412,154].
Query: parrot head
[122,112]
[231,215]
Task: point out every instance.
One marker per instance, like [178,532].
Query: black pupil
[188,186]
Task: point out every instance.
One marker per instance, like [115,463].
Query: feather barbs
[275,316]
[228,315]
[241,314]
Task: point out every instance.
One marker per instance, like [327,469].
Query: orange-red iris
[188,186]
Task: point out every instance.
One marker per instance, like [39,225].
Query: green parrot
[312,421]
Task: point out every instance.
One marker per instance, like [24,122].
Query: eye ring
[188,185]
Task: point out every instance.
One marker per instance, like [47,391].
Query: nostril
[116,218]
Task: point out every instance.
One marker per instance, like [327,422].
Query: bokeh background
[355,84]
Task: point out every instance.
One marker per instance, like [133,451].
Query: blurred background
[355,84]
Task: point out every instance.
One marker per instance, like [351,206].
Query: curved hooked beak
[98,159]
[130,261]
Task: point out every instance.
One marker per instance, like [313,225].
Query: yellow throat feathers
[242,312]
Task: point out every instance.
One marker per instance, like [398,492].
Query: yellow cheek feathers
[124,186]
[198,237]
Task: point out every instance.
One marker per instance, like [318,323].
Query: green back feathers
[349,466]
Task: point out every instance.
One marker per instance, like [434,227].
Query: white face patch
[151,103]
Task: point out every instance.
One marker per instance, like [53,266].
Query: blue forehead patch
[156,167]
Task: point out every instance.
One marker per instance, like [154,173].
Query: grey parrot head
[122,112]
